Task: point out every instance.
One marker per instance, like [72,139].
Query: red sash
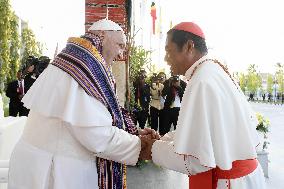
[209,179]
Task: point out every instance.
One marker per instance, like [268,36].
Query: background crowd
[26,76]
[157,100]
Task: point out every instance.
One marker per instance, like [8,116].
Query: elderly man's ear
[101,34]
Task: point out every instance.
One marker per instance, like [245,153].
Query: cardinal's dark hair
[180,38]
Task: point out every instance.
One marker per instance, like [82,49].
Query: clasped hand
[148,137]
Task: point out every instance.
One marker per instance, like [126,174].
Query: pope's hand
[146,147]
[149,132]
[148,137]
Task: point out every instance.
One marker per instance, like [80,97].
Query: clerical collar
[191,69]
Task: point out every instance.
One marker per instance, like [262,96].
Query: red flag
[154,16]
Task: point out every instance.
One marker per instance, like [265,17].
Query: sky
[52,21]
[240,32]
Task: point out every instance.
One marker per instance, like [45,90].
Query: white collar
[190,70]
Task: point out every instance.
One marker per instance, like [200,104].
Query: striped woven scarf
[82,59]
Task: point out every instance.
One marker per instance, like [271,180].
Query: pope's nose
[120,56]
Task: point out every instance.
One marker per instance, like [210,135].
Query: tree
[279,76]
[10,44]
[252,68]
[5,34]
[253,79]
[30,46]
[242,82]
[139,58]
[14,47]
[269,83]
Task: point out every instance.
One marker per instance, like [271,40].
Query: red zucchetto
[190,27]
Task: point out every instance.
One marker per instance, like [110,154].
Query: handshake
[148,137]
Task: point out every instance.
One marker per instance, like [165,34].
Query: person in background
[173,93]
[269,97]
[15,91]
[263,97]
[157,102]
[162,77]
[33,68]
[142,99]
[29,71]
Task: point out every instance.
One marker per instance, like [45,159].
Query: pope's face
[114,44]
[175,57]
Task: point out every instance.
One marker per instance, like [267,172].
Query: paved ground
[150,176]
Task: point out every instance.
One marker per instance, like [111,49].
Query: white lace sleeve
[163,154]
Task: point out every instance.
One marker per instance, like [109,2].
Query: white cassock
[216,127]
[65,131]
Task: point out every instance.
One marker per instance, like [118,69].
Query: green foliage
[30,46]
[279,75]
[5,100]
[253,79]
[263,123]
[10,44]
[14,48]
[141,164]
[5,34]
[250,81]
[263,127]
[138,59]
[269,83]
[242,81]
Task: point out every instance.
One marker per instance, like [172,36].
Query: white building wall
[142,29]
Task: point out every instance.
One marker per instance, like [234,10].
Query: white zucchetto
[105,25]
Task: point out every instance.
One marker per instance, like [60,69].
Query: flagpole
[56,50]
[107,10]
